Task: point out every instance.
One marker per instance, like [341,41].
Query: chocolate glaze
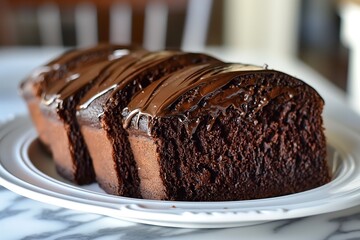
[125,73]
[113,67]
[93,65]
[114,75]
[159,98]
[43,77]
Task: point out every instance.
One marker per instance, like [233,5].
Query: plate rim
[137,210]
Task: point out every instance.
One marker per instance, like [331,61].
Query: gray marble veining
[22,218]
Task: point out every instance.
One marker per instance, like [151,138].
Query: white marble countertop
[23,218]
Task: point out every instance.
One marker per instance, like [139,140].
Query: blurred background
[304,29]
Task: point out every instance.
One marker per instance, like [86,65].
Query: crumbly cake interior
[111,120]
[248,154]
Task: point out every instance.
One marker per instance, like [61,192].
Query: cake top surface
[188,86]
[126,70]
[76,69]
[156,99]
[43,78]
[206,89]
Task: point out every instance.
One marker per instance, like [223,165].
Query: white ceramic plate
[27,170]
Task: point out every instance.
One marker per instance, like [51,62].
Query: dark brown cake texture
[172,125]
[99,114]
[221,131]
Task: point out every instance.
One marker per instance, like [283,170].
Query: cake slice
[34,86]
[220,131]
[99,115]
[52,94]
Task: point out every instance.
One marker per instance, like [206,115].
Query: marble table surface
[23,218]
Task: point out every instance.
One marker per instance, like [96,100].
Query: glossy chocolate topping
[114,75]
[112,68]
[156,59]
[68,61]
[161,98]
[74,69]
[125,71]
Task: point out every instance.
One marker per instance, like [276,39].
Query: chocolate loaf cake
[227,132]
[172,125]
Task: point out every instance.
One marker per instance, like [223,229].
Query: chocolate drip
[124,72]
[128,69]
[105,84]
[70,72]
[149,62]
[111,68]
[160,99]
